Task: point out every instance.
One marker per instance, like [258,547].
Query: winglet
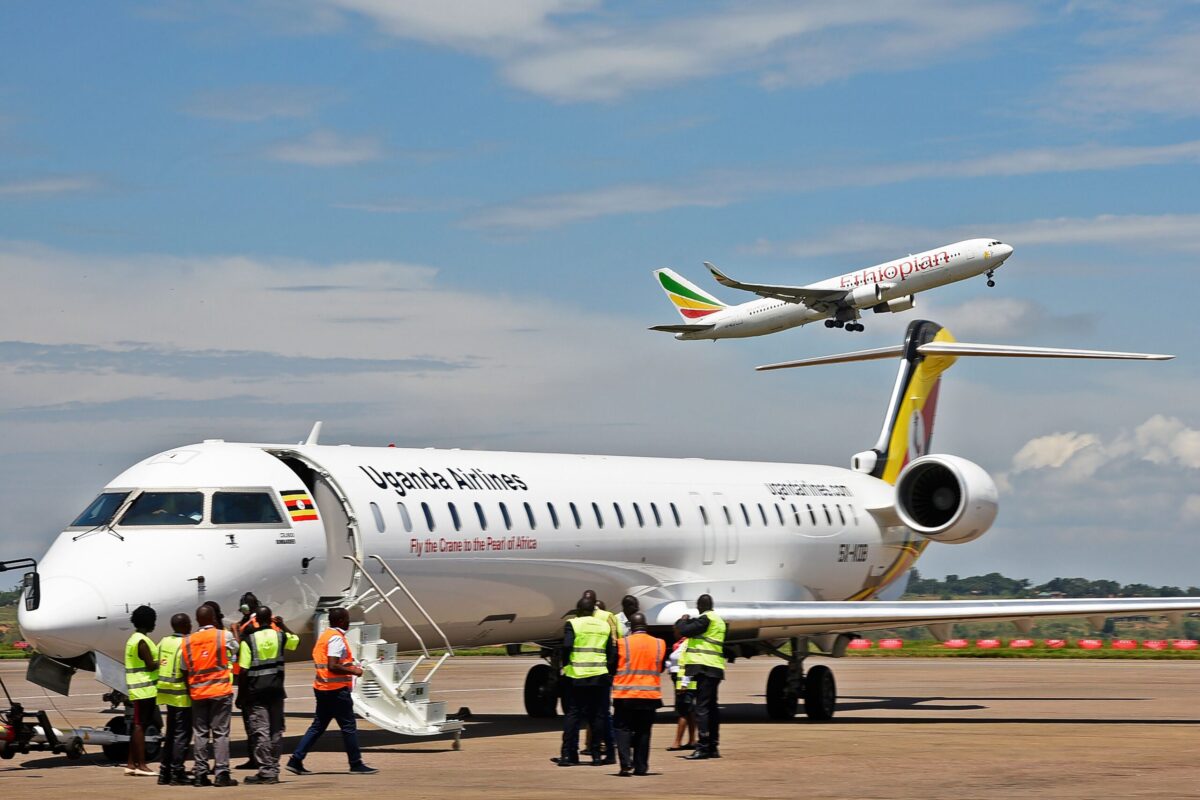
[721,277]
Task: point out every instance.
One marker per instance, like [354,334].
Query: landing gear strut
[850,326]
[541,688]
[789,683]
[990,274]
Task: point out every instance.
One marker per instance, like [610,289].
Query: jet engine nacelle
[946,498]
[866,296]
[905,303]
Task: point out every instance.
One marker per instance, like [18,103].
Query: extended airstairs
[393,692]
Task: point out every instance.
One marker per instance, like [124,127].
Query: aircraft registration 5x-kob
[466,548]
[890,287]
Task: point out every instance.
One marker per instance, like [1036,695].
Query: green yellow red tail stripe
[691,302]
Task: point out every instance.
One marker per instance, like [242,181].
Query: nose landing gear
[990,274]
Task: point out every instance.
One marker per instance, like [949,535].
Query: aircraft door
[708,534]
[725,520]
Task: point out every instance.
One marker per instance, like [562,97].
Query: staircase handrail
[391,605]
[415,602]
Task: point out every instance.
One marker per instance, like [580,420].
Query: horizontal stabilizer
[966,349]
[681,328]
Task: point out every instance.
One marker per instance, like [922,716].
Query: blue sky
[434,222]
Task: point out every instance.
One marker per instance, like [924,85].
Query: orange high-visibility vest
[639,665]
[209,671]
[327,680]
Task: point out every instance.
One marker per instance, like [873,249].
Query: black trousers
[708,715]
[584,705]
[633,720]
[176,739]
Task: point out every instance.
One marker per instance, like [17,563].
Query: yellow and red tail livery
[692,302]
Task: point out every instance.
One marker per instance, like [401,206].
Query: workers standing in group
[248,605]
[685,696]
[208,658]
[336,671]
[141,686]
[637,694]
[173,693]
[629,607]
[704,660]
[590,657]
[262,689]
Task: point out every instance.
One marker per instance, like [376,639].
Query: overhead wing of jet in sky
[790,294]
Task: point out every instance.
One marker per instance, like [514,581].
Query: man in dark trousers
[248,605]
[261,661]
[637,694]
[704,660]
[590,658]
[173,693]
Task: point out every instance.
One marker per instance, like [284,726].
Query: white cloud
[1003,318]
[1161,79]
[327,149]
[548,211]
[47,186]
[1190,512]
[256,103]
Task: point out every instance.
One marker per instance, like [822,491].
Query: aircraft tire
[820,694]
[780,704]
[118,751]
[541,692]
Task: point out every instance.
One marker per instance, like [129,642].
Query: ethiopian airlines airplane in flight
[891,287]
[494,548]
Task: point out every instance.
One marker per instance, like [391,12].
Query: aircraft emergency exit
[841,301]
[494,548]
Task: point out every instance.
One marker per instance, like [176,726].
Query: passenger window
[244,508]
[828,516]
[482,518]
[762,513]
[841,514]
[101,510]
[637,512]
[599,519]
[657,516]
[796,514]
[678,521]
[507,518]
[728,516]
[745,514]
[377,514]
[703,515]
[779,513]
[811,513]
[854,514]
[428,517]
[165,508]
[620,516]
[454,516]
[405,519]
[553,515]
[575,514]
[529,513]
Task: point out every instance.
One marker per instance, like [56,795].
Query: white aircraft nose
[1004,251]
[68,622]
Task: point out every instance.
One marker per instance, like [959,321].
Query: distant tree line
[996,585]
[9,598]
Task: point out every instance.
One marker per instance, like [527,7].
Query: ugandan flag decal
[300,505]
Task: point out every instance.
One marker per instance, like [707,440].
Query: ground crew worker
[141,686]
[704,660]
[208,658]
[261,662]
[637,694]
[629,607]
[173,693]
[685,697]
[590,657]
[592,748]
[336,671]
[248,605]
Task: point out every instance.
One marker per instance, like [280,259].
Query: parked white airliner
[498,546]
[890,287]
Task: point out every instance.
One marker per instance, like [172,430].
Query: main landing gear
[789,683]
[850,326]
[541,688]
[990,277]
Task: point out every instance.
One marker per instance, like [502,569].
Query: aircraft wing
[780,619]
[682,328]
[792,294]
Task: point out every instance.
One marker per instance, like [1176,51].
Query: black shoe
[697,755]
[225,779]
[714,753]
[164,779]
[180,779]
[590,751]
[251,764]
[624,774]
[297,767]
[202,780]
[566,762]
[261,779]
[362,769]
[641,774]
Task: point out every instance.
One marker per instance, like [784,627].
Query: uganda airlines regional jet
[497,546]
[890,287]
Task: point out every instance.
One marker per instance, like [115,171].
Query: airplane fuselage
[895,280]
[496,546]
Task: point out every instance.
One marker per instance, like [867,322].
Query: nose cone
[70,619]
[1003,251]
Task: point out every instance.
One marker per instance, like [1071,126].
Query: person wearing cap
[637,694]
[248,605]
[590,657]
[262,685]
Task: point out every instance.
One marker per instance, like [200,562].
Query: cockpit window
[165,508]
[243,508]
[101,510]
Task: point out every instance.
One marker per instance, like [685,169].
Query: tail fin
[692,302]
[927,352]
